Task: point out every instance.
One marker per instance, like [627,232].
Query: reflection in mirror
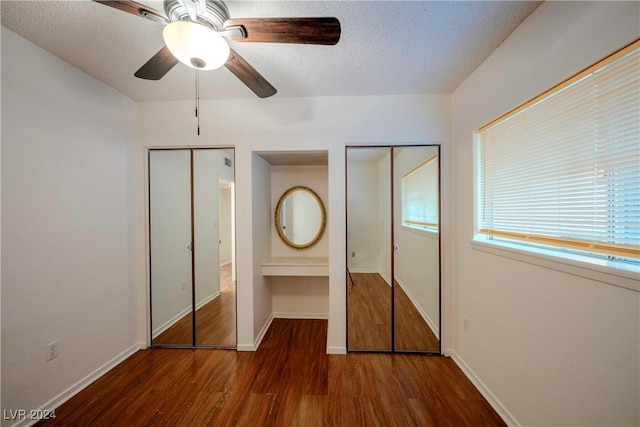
[417,248]
[213,236]
[368,248]
[170,232]
[300,217]
[192,264]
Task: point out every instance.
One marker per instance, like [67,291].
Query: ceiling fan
[196,33]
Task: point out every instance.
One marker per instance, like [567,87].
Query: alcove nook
[294,267]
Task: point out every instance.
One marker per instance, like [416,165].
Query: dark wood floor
[289,381]
[215,321]
[369,317]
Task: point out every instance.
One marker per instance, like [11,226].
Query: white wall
[225,225]
[254,125]
[300,297]
[553,348]
[67,230]
[260,312]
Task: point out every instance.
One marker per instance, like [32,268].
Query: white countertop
[295,266]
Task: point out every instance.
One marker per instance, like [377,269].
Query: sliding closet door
[191,241]
[170,247]
[215,293]
[393,248]
[369,296]
[416,234]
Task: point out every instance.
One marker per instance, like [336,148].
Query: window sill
[431,233]
[610,272]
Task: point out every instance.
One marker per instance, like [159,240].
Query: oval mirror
[300,217]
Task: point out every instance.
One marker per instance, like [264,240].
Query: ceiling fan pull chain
[198,98]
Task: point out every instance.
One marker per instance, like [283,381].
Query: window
[420,196]
[562,171]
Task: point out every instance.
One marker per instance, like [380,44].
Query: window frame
[428,228]
[571,256]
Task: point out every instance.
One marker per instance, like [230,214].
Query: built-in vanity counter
[296,266]
[291,244]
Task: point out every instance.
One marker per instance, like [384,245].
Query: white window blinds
[564,169]
[420,194]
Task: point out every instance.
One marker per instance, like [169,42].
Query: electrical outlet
[52,350]
[466,325]
[184,286]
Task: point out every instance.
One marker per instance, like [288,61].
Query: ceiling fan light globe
[196,45]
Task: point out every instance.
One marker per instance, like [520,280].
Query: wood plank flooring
[215,321]
[369,317]
[289,381]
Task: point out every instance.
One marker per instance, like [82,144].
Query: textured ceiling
[386,47]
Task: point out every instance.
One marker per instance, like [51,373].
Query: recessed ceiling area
[386,47]
[295,158]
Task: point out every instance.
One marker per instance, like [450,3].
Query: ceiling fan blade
[288,30]
[249,76]
[157,66]
[135,9]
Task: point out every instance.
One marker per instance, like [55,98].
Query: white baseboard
[336,350]
[208,299]
[504,413]
[284,315]
[385,277]
[432,325]
[363,270]
[246,347]
[169,323]
[84,382]
[263,332]
[258,340]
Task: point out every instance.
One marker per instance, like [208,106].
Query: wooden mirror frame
[323,219]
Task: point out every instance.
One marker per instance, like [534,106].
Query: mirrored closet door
[369,287]
[192,247]
[393,248]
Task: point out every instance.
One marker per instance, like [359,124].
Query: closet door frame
[193,251]
[392,235]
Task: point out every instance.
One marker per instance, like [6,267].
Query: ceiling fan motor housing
[215,15]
